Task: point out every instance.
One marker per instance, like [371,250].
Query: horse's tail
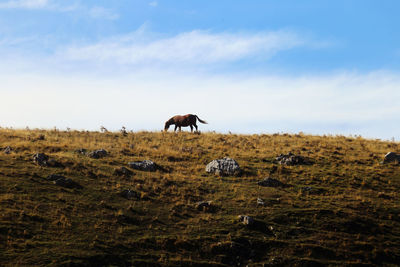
[201,120]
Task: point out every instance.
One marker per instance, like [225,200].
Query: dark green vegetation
[341,209]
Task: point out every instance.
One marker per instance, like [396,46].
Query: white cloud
[97,12]
[28,4]
[143,98]
[153,3]
[103,13]
[346,103]
[49,5]
[195,47]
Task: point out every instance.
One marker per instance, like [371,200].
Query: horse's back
[179,118]
[185,120]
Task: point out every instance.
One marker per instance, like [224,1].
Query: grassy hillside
[341,208]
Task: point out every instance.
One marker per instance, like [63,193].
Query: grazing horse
[183,121]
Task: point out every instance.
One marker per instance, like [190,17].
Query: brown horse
[183,121]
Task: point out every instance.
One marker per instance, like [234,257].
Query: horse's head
[167,124]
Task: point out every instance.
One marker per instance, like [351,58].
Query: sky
[313,66]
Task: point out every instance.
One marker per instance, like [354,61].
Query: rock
[66,182]
[260,202]
[97,154]
[223,167]
[246,220]
[145,165]
[123,171]
[204,205]
[54,177]
[7,150]
[271,228]
[81,151]
[44,160]
[391,157]
[41,159]
[270,182]
[290,159]
[130,194]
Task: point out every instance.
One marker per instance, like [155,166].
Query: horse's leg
[196,127]
[191,128]
[180,128]
[176,126]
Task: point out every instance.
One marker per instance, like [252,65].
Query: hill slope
[340,207]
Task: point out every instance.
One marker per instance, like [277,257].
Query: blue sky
[321,67]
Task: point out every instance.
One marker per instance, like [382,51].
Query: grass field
[340,209]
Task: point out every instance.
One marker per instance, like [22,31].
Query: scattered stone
[66,182]
[290,159]
[44,160]
[54,177]
[223,167]
[130,194]
[391,157]
[97,154]
[204,205]
[7,150]
[123,171]
[145,165]
[271,228]
[270,182]
[260,202]
[81,151]
[41,159]
[246,220]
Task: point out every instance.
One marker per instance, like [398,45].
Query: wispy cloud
[25,4]
[103,13]
[343,103]
[153,3]
[49,5]
[195,47]
[97,12]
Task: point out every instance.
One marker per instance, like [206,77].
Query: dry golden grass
[351,216]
